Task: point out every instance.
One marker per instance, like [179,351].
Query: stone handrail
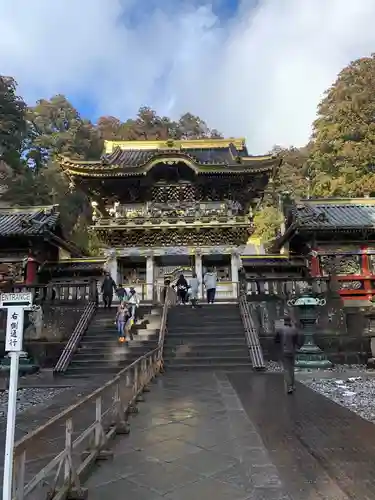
[75,338]
[252,337]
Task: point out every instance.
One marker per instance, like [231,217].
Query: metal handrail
[74,340]
[170,299]
[252,337]
[113,403]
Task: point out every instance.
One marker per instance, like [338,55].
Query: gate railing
[107,409]
[61,292]
[283,287]
[252,337]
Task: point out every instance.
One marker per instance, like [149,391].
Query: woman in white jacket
[133,304]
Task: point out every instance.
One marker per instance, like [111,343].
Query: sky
[250,68]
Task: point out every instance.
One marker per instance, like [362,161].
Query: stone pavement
[238,437]
[191,439]
[321,449]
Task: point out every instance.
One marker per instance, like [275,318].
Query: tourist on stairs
[108,287]
[133,304]
[182,289]
[193,290]
[121,293]
[210,280]
[121,319]
[290,340]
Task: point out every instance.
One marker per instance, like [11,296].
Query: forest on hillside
[338,160]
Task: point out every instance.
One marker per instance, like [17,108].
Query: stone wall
[343,333]
[46,334]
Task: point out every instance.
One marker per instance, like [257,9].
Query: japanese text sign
[14,332]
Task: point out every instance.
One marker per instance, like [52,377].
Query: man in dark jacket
[108,287]
[291,340]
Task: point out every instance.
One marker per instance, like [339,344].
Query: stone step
[226,367]
[210,342]
[206,335]
[117,349]
[104,346]
[206,327]
[87,372]
[183,354]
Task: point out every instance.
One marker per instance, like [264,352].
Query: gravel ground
[356,393]
[352,386]
[275,366]
[27,398]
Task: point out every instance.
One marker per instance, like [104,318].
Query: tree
[192,127]
[267,222]
[148,125]
[343,141]
[12,122]
[56,127]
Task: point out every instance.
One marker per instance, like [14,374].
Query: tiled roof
[212,156]
[335,216]
[27,221]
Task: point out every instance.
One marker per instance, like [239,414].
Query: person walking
[210,281]
[108,287]
[290,340]
[121,293]
[133,304]
[194,290]
[121,318]
[182,289]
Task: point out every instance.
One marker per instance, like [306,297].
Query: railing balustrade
[284,287]
[109,405]
[75,338]
[252,337]
[61,292]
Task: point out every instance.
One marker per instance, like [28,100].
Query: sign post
[16,304]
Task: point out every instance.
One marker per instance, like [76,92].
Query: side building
[29,238]
[165,207]
[337,236]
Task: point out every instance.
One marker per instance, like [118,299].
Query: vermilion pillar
[31,270]
[365,269]
[314,267]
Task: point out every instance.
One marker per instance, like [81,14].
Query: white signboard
[16,299]
[14,332]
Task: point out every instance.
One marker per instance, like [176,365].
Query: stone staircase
[209,337]
[100,352]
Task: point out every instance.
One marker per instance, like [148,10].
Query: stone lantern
[309,355]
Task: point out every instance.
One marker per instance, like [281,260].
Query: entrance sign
[14,332]
[16,299]
[16,304]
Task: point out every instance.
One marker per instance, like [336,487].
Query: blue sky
[223,9]
[250,68]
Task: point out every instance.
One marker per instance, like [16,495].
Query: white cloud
[260,74]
